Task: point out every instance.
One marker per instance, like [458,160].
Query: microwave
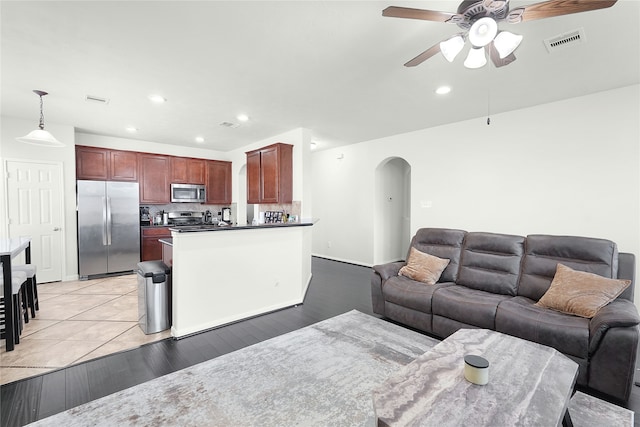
[188,193]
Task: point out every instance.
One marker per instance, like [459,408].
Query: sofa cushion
[580,293]
[491,262]
[423,267]
[520,317]
[444,243]
[544,252]
[406,292]
[465,305]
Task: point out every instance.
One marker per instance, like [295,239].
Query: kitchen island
[222,274]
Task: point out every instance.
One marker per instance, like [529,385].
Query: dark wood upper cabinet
[123,166]
[270,174]
[106,165]
[154,172]
[218,182]
[92,163]
[185,170]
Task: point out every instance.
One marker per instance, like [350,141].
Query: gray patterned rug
[320,375]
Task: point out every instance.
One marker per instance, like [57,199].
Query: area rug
[321,375]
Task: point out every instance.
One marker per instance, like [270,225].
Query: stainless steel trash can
[154,296]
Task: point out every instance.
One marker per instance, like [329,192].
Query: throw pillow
[580,293]
[423,267]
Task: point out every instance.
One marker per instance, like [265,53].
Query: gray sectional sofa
[493,281]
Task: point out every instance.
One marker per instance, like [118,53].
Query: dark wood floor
[335,288]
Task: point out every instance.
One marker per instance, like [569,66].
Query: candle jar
[476,369]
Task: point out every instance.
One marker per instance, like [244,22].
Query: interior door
[34,198]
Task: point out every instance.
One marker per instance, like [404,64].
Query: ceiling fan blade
[495,57]
[424,56]
[549,9]
[426,15]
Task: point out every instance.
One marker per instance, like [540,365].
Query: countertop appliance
[185,218]
[188,193]
[145,217]
[108,227]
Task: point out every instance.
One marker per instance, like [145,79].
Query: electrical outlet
[328,243]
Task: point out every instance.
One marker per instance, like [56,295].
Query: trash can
[154,296]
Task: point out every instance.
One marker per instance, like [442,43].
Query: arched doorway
[392,213]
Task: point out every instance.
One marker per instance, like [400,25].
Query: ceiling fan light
[483,31]
[451,48]
[476,58]
[506,42]
[40,137]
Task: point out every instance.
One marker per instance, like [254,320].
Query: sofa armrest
[380,275]
[619,313]
[386,271]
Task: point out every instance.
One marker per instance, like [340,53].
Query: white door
[34,198]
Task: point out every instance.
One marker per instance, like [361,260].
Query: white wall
[10,149]
[569,167]
[147,147]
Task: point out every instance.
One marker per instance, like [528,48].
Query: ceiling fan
[479,20]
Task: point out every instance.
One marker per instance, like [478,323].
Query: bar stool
[18,280]
[31,287]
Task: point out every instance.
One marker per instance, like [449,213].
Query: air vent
[565,40]
[229,125]
[96,99]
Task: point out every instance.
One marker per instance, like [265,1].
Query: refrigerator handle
[108,221]
[104,221]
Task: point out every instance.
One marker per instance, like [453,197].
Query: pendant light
[40,136]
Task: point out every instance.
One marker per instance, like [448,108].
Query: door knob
[56,229]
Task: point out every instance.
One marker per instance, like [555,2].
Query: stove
[180,218]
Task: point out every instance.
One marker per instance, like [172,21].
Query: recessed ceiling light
[158,99]
[132,129]
[199,139]
[242,117]
[443,90]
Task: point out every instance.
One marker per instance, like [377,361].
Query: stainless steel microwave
[188,193]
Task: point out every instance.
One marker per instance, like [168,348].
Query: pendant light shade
[40,136]
[483,31]
[506,42]
[476,58]
[451,48]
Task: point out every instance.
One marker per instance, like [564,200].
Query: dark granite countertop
[211,227]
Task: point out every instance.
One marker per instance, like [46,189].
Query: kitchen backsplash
[193,207]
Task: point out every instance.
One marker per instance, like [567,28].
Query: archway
[392,213]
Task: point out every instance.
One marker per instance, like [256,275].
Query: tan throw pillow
[423,267]
[580,293]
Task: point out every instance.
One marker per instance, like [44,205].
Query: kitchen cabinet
[150,247]
[154,178]
[218,182]
[102,164]
[270,174]
[185,170]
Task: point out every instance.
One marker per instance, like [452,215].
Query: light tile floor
[77,321]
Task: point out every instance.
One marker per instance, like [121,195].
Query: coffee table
[529,385]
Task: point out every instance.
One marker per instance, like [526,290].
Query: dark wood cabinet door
[269,176]
[253,177]
[154,178]
[92,163]
[151,248]
[218,182]
[185,170]
[123,166]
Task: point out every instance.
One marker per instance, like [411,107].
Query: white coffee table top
[529,384]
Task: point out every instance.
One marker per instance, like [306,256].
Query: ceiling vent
[229,125]
[96,99]
[565,40]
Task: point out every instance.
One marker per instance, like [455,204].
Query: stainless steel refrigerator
[108,227]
